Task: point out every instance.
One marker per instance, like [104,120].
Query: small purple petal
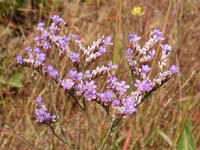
[107,40]
[102,49]
[116,102]
[158,34]
[51,71]
[166,48]
[90,90]
[75,57]
[173,69]
[134,38]
[39,100]
[145,69]
[143,86]
[75,37]
[19,59]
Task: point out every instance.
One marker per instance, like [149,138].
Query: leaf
[16,79]
[185,140]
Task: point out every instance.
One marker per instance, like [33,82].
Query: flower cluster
[81,80]
[42,114]
[141,67]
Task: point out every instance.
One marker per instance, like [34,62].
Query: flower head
[145,69]
[143,86]
[158,34]
[166,48]
[75,57]
[51,71]
[133,38]
[67,84]
[107,96]
[90,90]
[42,114]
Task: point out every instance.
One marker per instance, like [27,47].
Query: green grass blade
[185,141]
[165,137]
[116,48]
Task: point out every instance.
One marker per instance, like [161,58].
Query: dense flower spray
[80,81]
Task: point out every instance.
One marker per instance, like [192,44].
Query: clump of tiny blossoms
[81,81]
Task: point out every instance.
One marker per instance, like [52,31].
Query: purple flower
[107,40]
[102,49]
[107,96]
[129,53]
[119,87]
[39,100]
[143,86]
[79,89]
[51,71]
[28,50]
[116,102]
[75,37]
[166,48]
[87,74]
[42,114]
[40,58]
[75,57]
[37,40]
[152,54]
[158,34]
[57,20]
[173,69]
[133,38]
[37,50]
[112,80]
[75,75]
[41,24]
[122,87]
[19,59]
[129,106]
[44,36]
[90,90]
[67,84]
[64,41]
[53,28]
[145,69]
[46,45]
[111,66]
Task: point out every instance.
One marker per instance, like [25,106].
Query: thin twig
[53,131]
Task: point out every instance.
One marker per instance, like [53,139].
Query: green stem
[92,129]
[56,135]
[110,130]
[84,109]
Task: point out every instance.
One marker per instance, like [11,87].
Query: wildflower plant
[80,82]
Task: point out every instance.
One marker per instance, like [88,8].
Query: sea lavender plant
[81,81]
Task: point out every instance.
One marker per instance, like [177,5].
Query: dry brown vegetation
[158,122]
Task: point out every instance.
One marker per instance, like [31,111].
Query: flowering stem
[74,98]
[110,130]
[91,129]
[84,109]
[90,125]
[54,133]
